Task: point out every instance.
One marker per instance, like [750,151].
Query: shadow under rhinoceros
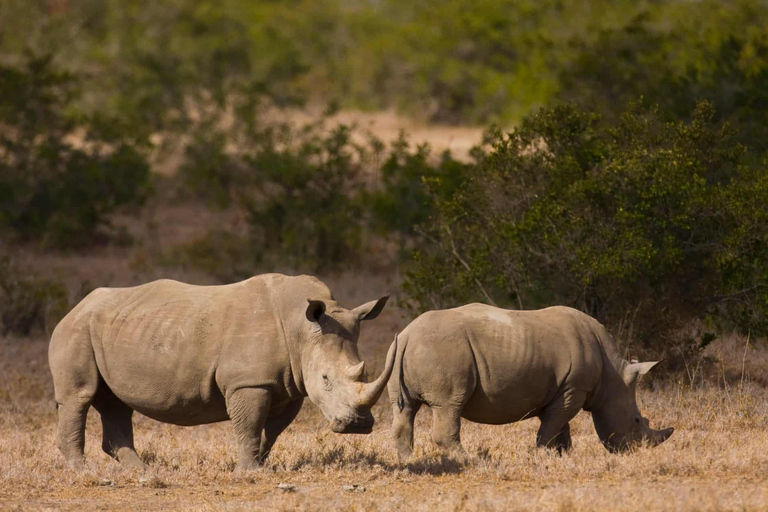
[437,466]
[342,456]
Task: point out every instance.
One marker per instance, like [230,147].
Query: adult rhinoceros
[189,355]
[494,366]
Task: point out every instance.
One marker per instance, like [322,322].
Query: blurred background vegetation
[623,172]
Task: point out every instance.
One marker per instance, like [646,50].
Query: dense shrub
[224,255]
[399,202]
[721,57]
[312,197]
[300,188]
[28,303]
[60,175]
[153,63]
[307,207]
[660,222]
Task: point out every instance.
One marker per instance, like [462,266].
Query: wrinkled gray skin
[189,355]
[494,366]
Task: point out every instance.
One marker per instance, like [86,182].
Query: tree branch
[466,266]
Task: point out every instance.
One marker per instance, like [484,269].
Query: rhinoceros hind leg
[446,428]
[402,427]
[555,432]
[275,426]
[75,381]
[117,426]
[70,432]
[248,409]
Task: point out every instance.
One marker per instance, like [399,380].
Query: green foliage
[301,189]
[60,176]
[28,303]
[399,203]
[715,52]
[154,64]
[225,256]
[660,220]
[306,207]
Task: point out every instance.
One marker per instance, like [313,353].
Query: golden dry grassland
[716,460]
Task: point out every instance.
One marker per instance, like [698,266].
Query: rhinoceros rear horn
[371,392]
[356,372]
[659,436]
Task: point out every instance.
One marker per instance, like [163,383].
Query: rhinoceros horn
[371,392]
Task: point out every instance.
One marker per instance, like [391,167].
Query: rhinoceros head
[333,374]
[618,422]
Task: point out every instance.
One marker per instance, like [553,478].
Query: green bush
[29,303]
[715,53]
[301,189]
[225,256]
[307,208]
[659,221]
[60,175]
[399,202]
[155,64]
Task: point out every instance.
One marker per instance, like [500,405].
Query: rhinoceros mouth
[363,427]
[357,429]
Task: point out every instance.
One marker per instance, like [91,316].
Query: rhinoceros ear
[315,310]
[370,310]
[634,370]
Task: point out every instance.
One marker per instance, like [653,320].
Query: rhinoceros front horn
[371,392]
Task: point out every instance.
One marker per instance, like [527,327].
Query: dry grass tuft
[716,460]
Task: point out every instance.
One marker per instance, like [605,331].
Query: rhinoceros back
[521,359]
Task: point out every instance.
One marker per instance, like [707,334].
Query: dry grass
[716,460]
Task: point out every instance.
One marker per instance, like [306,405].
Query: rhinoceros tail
[402,389]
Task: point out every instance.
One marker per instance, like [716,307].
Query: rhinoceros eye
[326,381]
[637,420]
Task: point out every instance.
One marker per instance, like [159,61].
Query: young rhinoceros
[494,366]
[188,355]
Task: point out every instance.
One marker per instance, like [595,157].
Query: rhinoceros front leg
[555,432]
[561,442]
[248,409]
[117,428]
[275,426]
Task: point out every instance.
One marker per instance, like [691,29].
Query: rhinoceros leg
[75,381]
[446,427]
[562,441]
[70,433]
[275,426]
[117,426]
[402,427]
[248,409]
[555,432]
